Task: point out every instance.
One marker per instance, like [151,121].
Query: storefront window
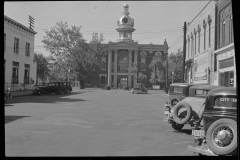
[227,79]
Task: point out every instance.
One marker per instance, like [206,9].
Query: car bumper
[201,150]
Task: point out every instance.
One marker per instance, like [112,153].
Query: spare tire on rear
[187,116]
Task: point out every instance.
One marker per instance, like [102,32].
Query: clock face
[125,20]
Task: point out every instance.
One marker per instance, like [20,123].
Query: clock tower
[125,26]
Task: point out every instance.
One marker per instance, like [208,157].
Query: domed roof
[125,6]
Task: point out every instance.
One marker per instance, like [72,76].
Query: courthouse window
[103,62]
[103,79]
[26,73]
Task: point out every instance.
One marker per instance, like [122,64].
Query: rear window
[226,102]
[178,89]
[201,92]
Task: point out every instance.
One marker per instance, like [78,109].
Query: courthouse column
[130,68]
[109,67]
[135,64]
[115,68]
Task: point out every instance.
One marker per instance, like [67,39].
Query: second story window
[16,45]
[231,29]
[204,35]
[4,42]
[143,61]
[27,52]
[223,34]
[195,46]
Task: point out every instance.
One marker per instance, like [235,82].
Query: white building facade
[19,65]
[200,47]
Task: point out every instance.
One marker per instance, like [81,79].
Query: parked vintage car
[190,109]
[52,87]
[139,88]
[7,94]
[219,133]
[178,91]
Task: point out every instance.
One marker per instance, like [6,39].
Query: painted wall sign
[201,69]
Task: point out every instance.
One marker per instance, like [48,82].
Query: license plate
[198,133]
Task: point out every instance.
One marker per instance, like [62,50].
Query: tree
[139,76]
[175,62]
[67,47]
[42,66]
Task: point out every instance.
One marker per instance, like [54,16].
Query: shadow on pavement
[46,98]
[186,131]
[10,118]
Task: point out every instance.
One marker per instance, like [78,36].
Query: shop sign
[226,54]
[201,69]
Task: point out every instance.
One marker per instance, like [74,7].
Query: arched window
[223,33]
[123,62]
[158,54]
[209,30]
[199,30]
[204,34]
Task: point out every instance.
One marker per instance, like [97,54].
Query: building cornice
[11,21]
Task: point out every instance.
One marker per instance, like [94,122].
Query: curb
[22,95]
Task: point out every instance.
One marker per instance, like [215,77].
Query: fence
[19,86]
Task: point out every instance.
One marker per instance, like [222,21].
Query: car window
[178,89]
[226,102]
[201,92]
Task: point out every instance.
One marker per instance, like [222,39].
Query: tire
[38,93]
[188,114]
[229,126]
[56,93]
[174,101]
[61,92]
[176,126]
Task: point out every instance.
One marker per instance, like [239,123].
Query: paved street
[92,123]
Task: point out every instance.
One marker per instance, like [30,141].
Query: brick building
[122,55]
[224,54]
[200,46]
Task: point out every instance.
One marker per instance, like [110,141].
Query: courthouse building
[123,54]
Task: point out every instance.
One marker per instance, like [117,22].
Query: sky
[154,21]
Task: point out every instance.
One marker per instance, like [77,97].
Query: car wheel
[221,137]
[184,119]
[38,93]
[56,93]
[61,92]
[176,126]
[174,101]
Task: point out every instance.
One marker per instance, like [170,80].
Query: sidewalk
[21,93]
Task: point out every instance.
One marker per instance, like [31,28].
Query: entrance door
[123,82]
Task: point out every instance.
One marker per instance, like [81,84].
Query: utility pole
[184,48]
[31,22]
[167,72]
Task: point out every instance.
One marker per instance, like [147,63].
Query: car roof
[224,91]
[181,84]
[206,87]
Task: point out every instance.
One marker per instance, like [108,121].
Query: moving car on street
[219,133]
[190,109]
[58,88]
[139,88]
